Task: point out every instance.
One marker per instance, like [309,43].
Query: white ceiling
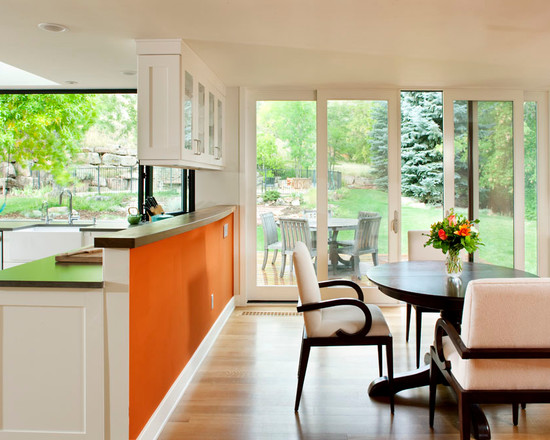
[290,43]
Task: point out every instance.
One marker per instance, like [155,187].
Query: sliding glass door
[357,187]
[378,163]
[322,163]
[484,174]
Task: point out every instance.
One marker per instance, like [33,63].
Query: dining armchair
[336,322]
[271,237]
[365,242]
[417,252]
[293,230]
[503,352]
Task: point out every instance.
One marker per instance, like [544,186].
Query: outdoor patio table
[335,225]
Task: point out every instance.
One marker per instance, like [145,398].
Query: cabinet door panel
[159,116]
[219,145]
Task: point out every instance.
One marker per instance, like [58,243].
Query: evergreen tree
[422,146]
[379,144]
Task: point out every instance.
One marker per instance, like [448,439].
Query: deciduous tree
[45,129]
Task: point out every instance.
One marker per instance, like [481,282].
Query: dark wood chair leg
[515,413]
[434,379]
[380,360]
[418,335]
[302,367]
[389,361]
[464,417]
[408,324]
[523,405]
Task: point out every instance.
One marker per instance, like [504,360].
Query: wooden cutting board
[89,255]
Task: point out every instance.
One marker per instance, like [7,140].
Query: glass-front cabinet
[180,107]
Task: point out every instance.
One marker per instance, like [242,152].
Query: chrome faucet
[45,213]
[70,194]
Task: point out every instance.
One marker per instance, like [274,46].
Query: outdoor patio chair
[271,237]
[337,322]
[503,352]
[312,214]
[294,230]
[364,214]
[365,242]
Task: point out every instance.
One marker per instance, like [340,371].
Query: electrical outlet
[212,302]
[225,230]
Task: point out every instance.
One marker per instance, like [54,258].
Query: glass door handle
[395,222]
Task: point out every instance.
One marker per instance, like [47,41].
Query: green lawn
[496,231]
[104,206]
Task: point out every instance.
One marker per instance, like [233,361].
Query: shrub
[271,195]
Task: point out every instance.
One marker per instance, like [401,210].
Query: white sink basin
[40,241]
[51,229]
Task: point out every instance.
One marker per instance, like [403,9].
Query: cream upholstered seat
[503,354]
[342,321]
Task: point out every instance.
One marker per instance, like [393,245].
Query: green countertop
[47,273]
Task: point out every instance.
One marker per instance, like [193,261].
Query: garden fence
[278,178]
[103,178]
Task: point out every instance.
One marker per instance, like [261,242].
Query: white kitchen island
[103,352]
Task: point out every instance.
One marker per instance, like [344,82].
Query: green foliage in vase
[453,233]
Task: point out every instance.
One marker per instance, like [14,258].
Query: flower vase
[453,263]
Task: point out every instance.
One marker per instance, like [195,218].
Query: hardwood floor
[245,389]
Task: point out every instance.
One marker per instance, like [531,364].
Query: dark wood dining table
[425,284]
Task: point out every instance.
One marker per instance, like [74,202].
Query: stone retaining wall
[121,163]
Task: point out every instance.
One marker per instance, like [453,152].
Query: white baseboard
[156,423]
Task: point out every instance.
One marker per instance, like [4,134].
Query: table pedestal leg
[419,378]
[404,381]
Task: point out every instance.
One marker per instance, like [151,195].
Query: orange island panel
[171,283]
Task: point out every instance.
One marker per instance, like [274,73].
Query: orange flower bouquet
[453,233]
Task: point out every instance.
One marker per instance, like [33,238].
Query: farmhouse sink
[59,224]
[53,228]
[40,241]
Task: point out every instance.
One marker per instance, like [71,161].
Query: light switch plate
[225,230]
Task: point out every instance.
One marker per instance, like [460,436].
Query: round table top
[425,283]
[336,223]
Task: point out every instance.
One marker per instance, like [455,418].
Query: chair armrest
[464,352]
[442,328]
[348,283]
[342,302]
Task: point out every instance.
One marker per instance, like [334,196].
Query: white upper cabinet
[181,107]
